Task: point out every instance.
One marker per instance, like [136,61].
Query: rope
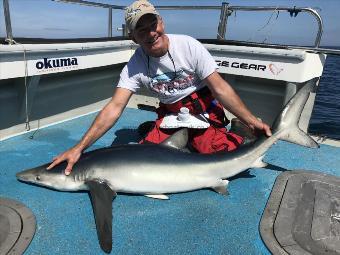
[27,119]
[264,26]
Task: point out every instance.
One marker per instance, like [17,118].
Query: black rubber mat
[302,215]
[17,227]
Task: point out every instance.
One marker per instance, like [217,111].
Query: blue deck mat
[199,222]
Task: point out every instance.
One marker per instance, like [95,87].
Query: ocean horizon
[325,120]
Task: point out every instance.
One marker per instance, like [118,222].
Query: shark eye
[37,178]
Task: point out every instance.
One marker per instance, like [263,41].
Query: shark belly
[156,178]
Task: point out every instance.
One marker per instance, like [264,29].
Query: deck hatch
[302,215]
[17,227]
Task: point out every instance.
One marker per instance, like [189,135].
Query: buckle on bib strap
[197,98]
[197,103]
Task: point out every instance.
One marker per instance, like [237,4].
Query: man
[180,72]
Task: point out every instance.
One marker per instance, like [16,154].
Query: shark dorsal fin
[178,140]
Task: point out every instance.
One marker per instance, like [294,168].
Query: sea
[325,120]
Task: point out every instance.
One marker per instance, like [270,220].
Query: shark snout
[19,176]
[24,175]
[32,175]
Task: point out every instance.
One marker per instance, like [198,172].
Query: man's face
[149,34]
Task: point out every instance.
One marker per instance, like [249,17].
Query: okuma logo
[55,63]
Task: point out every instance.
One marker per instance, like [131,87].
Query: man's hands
[104,120]
[227,96]
[260,127]
[71,156]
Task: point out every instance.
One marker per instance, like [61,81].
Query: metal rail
[9,34]
[292,10]
[92,4]
[110,7]
[225,11]
[110,23]
[318,50]
[222,25]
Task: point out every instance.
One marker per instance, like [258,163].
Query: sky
[50,19]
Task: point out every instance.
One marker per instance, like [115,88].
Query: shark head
[55,178]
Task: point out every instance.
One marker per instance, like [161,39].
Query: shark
[157,170]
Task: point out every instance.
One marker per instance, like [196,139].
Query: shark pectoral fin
[178,140]
[101,198]
[222,187]
[259,163]
[160,196]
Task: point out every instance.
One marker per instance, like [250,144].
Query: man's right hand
[71,156]
[104,120]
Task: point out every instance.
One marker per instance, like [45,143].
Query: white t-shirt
[172,76]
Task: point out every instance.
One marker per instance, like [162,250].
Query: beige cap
[136,10]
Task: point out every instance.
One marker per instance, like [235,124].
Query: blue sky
[45,18]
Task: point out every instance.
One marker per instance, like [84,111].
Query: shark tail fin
[297,136]
[286,125]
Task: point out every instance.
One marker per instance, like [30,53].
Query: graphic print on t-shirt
[171,83]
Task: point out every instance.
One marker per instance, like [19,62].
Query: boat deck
[198,222]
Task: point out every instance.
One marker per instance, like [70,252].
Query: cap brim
[137,18]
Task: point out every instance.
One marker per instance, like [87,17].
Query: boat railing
[225,11]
